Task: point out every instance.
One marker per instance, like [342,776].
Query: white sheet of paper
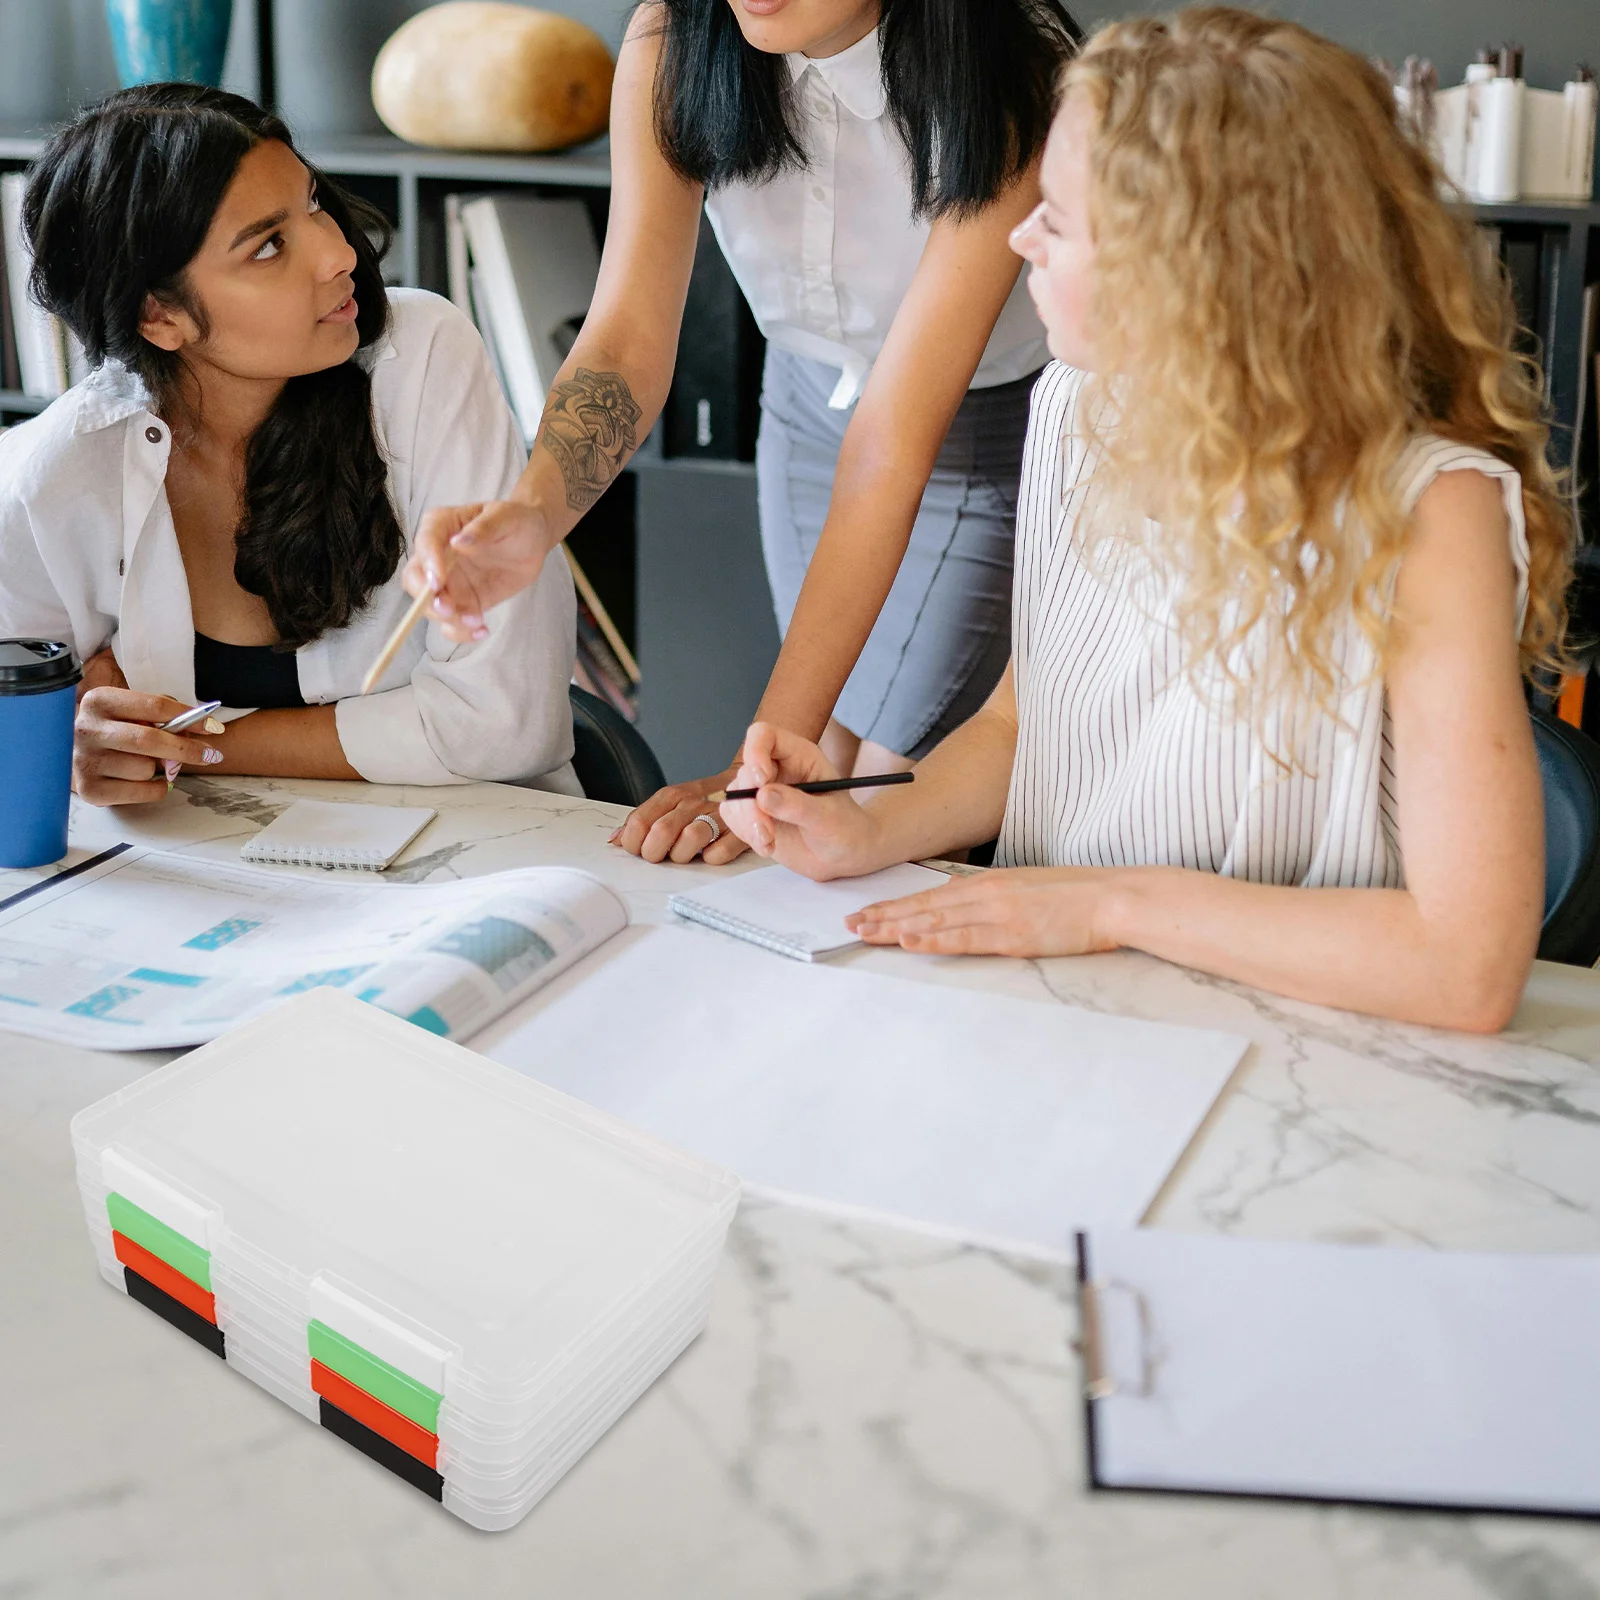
[1005,1122]
[1348,1372]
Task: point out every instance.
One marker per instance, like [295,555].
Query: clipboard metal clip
[1098,1381]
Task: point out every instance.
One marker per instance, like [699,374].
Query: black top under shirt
[255,675]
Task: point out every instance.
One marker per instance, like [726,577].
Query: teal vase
[166,41]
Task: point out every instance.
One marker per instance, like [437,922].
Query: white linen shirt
[826,254]
[89,555]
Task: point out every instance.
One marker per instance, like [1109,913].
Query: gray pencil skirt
[944,634]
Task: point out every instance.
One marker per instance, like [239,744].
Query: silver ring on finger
[716,828]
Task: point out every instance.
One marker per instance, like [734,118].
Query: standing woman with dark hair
[863,162]
[221,510]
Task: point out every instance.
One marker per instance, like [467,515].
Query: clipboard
[1341,1374]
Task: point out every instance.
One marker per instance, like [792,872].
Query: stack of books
[463,1274]
[605,665]
[524,270]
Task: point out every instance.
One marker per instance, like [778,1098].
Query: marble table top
[871,1414]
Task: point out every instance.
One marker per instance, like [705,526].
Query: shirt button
[153,435]
[818,192]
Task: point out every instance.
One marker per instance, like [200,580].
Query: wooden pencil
[881,780]
[396,639]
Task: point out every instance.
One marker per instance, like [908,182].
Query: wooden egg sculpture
[483,75]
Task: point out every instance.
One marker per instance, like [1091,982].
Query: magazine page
[142,950]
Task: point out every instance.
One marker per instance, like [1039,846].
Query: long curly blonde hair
[1285,301]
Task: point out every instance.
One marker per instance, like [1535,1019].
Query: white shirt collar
[110,393]
[855,76]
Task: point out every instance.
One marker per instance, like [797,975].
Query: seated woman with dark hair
[221,511]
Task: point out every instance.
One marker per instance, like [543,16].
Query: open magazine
[141,950]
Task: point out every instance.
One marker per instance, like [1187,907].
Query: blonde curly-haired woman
[1287,541]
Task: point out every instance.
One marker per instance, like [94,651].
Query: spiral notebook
[779,910]
[326,833]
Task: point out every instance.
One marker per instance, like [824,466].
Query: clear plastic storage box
[463,1273]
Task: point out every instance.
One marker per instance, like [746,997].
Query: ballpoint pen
[187,719]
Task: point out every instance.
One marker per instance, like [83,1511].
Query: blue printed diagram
[333,978]
[507,951]
[223,934]
[104,1001]
[426,1018]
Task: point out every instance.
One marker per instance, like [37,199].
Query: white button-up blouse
[825,255]
[89,555]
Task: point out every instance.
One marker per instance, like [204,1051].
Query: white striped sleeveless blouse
[1122,760]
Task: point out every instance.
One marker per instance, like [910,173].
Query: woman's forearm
[614,382]
[599,408]
[1371,950]
[919,380]
[845,587]
[301,742]
[882,471]
[959,796]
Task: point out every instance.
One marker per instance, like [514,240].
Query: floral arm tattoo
[590,427]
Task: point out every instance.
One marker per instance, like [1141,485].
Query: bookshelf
[1552,250]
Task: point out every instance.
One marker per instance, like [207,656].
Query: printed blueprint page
[151,951]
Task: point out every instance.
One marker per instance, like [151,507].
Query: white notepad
[1006,1122]
[779,910]
[1343,1372]
[325,833]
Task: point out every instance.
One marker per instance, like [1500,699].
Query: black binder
[714,405]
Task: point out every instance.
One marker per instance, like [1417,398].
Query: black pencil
[881,780]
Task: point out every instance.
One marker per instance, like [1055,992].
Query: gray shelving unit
[1568,238]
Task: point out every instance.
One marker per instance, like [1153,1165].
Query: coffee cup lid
[31,666]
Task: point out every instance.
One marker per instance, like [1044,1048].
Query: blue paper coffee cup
[37,710]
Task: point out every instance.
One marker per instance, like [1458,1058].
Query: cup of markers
[38,705]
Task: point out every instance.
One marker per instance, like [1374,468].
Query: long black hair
[970,87]
[118,205]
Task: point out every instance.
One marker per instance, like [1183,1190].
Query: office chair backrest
[1569,767]
[611,758]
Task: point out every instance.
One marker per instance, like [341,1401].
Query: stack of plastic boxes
[466,1275]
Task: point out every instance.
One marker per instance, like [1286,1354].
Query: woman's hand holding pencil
[822,835]
[467,559]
